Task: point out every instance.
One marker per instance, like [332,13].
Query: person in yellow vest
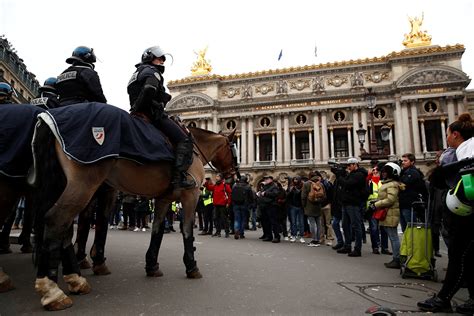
[206,196]
[378,236]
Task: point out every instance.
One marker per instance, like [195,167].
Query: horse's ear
[231,136]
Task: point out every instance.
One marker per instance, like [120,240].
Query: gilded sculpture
[416,37]
[201,66]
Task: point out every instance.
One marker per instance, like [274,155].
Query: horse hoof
[6,285]
[195,274]
[77,285]
[158,273]
[26,249]
[101,269]
[84,264]
[60,305]
[83,290]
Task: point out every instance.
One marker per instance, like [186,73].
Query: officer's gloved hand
[157,110]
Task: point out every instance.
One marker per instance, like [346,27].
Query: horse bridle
[235,165]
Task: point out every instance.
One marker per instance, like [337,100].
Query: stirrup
[181,181]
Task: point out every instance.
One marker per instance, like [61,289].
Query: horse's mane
[200,130]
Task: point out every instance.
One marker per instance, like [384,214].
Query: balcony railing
[264,164]
[300,162]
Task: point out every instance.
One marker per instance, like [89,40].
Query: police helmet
[456,201]
[153,52]
[393,169]
[50,84]
[5,89]
[83,54]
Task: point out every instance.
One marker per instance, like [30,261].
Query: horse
[55,172]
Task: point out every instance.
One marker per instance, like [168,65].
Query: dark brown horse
[78,183]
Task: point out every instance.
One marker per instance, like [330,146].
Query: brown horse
[78,182]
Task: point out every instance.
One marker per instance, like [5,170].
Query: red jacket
[221,193]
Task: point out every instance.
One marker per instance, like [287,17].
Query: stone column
[451,114]
[243,151]
[349,141]
[443,132]
[209,124]
[324,134]
[423,136]
[310,143]
[202,123]
[251,146]
[238,148]
[390,142]
[215,128]
[317,138]
[415,128]
[406,135]
[355,127]
[273,146]
[331,135]
[279,140]
[460,106]
[293,144]
[257,147]
[400,144]
[286,139]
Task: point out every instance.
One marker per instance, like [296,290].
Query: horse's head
[225,159]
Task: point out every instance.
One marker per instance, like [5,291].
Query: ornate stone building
[13,71]
[292,120]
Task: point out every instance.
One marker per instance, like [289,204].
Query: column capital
[443,118]
[257,133]
[421,121]
[331,128]
[310,130]
[349,127]
[292,130]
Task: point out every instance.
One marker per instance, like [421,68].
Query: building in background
[13,71]
[295,119]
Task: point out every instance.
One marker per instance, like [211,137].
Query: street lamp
[373,153]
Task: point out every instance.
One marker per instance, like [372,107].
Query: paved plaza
[241,277]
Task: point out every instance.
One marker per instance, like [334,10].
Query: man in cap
[354,196]
[268,205]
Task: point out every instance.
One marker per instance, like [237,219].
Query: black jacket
[270,195]
[354,187]
[242,190]
[293,197]
[79,83]
[46,100]
[414,185]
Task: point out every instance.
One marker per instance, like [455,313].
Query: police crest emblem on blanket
[99,134]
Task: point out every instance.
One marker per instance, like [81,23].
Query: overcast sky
[242,36]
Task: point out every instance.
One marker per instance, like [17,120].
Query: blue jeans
[315,226]
[297,221]
[352,223]
[392,233]
[336,226]
[240,217]
[405,218]
[378,235]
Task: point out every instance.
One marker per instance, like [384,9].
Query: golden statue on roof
[201,66]
[416,37]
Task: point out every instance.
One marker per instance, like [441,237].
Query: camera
[337,168]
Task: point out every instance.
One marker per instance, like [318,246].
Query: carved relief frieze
[282,87]
[231,92]
[318,85]
[357,80]
[189,102]
[337,81]
[264,88]
[300,84]
[432,76]
[377,76]
[247,92]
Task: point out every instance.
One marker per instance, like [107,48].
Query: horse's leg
[189,200]
[71,271]
[83,228]
[5,234]
[152,267]
[105,204]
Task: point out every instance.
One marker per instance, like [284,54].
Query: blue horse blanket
[89,132]
[17,124]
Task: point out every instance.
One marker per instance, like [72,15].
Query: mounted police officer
[48,95]
[148,98]
[6,92]
[80,82]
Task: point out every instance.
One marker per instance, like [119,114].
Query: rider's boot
[184,159]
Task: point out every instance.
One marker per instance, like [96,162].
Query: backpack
[317,193]
[238,194]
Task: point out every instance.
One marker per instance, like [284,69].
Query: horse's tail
[48,179]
